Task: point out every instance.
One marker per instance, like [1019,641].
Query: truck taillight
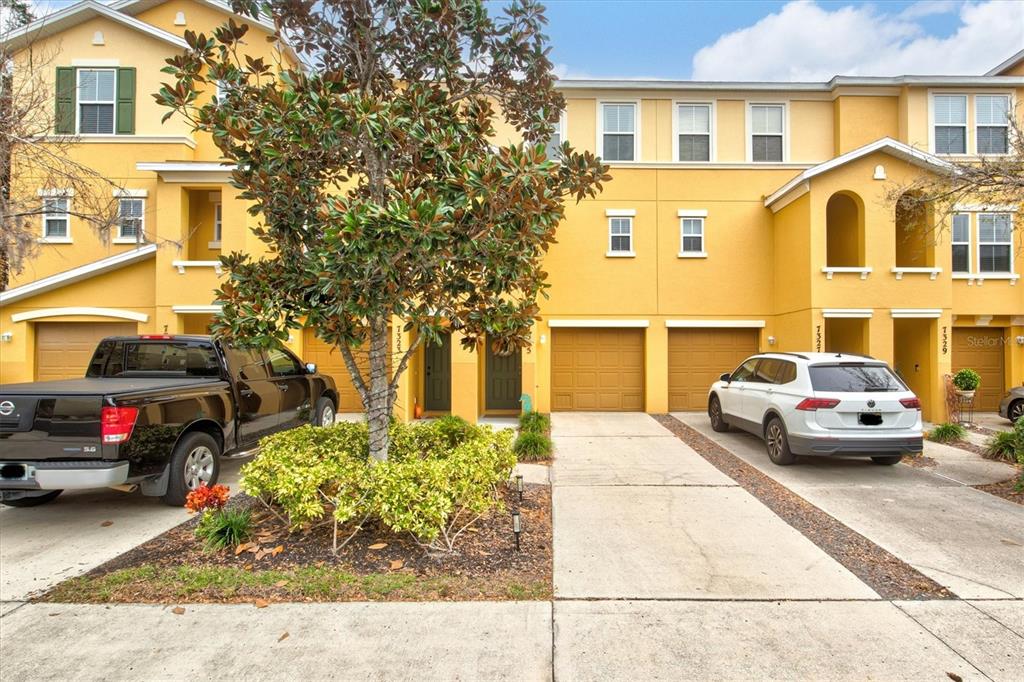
[116,424]
[911,403]
[812,404]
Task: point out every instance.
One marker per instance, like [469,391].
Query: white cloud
[806,42]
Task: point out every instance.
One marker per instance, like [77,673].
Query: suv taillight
[911,403]
[812,404]
[116,424]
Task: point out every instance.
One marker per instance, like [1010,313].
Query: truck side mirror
[310,368]
[725,377]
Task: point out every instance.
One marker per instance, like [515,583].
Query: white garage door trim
[714,324]
[620,324]
[116,313]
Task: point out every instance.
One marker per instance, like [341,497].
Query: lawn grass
[150,583]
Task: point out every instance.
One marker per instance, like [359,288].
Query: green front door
[437,393]
[503,380]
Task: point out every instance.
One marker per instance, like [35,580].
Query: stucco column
[656,368]
[465,383]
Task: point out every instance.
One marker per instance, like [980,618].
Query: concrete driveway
[967,540]
[41,546]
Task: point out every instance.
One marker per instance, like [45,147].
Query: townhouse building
[742,217]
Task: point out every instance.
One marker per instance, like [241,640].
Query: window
[994,244]
[96,101]
[991,118]
[961,242]
[618,132]
[130,220]
[766,126]
[283,363]
[552,148]
[56,222]
[620,236]
[950,115]
[693,122]
[691,235]
[217,222]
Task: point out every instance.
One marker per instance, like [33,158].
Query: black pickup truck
[156,412]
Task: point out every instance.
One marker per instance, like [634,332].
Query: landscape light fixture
[519,486]
[517,528]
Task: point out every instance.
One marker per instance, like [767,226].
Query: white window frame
[636,128]
[621,214]
[698,215]
[1008,243]
[121,238]
[712,146]
[79,102]
[218,225]
[1009,109]
[954,242]
[784,105]
[66,216]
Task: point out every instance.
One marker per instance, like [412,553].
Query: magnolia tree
[382,184]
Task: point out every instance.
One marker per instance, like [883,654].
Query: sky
[799,40]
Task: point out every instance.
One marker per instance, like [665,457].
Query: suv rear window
[854,378]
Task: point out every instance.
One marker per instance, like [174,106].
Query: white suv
[819,404]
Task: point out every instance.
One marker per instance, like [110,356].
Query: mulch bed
[1004,489]
[890,577]
[485,565]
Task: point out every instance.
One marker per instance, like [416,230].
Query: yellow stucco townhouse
[742,217]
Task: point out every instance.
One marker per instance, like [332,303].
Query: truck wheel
[324,413]
[33,501]
[777,442]
[195,461]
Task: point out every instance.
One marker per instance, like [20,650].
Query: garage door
[981,349]
[597,369]
[63,349]
[697,357]
[330,361]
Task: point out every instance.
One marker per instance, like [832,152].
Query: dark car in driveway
[157,411]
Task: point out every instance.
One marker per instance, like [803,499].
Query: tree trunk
[378,399]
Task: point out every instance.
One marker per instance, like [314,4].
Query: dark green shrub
[531,447]
[534,422]
[947,433]
[224,528]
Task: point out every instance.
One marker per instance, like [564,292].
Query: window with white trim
[992,123]
[217,221]
[620,235]
[131,212]
[56,221]
[618,131]
[553,147]
[961,242]
[949,114]
[767,123]
[693,122]
[994,243]
[691,236]
[96,94]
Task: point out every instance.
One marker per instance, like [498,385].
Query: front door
[437,393]
[503,382]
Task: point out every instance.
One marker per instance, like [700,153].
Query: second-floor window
[96,101]
[766,132]
[618,131]
[620,236]
[950,115]
[991,119]
[56,220]
[961,242]
[994,242]
[694,125]
[129,222]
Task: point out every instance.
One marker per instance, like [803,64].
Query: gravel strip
[887,575]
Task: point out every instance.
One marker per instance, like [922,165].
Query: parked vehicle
[819,404]
[155,411]
[1012,405]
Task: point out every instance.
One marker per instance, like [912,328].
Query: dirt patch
[1005,489]
[283,565]
[886,574]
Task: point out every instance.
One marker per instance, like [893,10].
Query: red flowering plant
[207,497]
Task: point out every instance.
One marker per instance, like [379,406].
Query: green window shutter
[64,118]
[126,101]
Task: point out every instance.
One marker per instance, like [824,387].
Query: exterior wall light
[517,528]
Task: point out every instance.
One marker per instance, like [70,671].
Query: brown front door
[597,369]
[63,349]
[982,349]
[697,357]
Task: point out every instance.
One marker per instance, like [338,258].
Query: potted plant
[966,382]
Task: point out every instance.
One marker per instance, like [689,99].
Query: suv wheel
[196,461]
[777,442]
[718,422]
